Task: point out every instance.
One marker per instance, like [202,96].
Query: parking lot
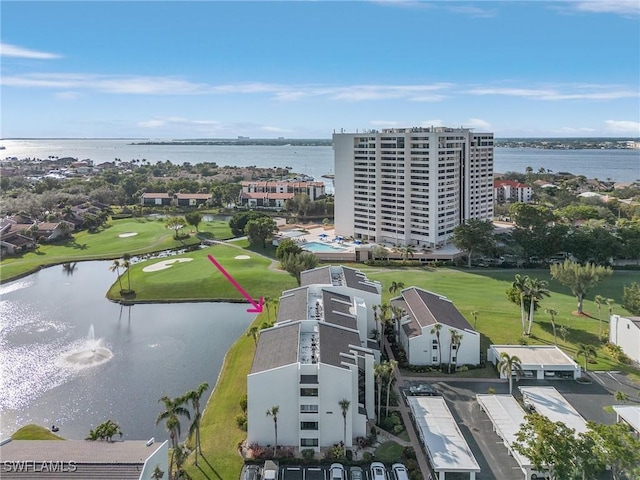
[293,472]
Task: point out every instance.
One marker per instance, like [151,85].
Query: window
[454,347]
[308,425]
[308,442]
[308,392]
[308,408]
[434,359]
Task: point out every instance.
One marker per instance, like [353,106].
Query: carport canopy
[630,414]
[549,402]
[536,358]
[446,446]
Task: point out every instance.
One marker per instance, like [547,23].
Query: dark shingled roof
[320,276]
[334,341]
[276,347]
[426,309]
[336,311]
[357,279]
[293,305]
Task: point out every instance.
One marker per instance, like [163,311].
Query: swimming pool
[322,247]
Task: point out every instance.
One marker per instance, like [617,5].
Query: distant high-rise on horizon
[411,186]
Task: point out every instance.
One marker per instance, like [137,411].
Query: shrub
[491,391]
[349,455]
[366,457]
[308,453]
[241,421]
[333,453]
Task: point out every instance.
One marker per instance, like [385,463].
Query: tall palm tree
[599,300]
[610,304]
[380,371]
[508,365]
[385,309]
[255,333]
[174,409]
[436,330]
[391,365]
[375,317]
[407,252]
[520,283]
[587,351]
[564,331]
[552,313]
[344,407]
[115,267]
[273,413]
[395,287]
[455,339]
[126,263]
[194,397]
[474,314]
[536,290]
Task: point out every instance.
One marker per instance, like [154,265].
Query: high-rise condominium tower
[411,186]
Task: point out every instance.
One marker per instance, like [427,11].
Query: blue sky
[204,69]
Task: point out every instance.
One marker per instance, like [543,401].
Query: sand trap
[165,264]
[242,257]
[130,234]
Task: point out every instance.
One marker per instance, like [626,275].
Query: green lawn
[483,290]
[199,279]
[151,236]
[34,432]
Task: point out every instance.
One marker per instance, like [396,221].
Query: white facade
[411,186]
[537,361]
[508,190]
[306,368]
[625,332]
[426,312]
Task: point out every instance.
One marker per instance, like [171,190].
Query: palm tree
[508,365]
[380,371]
[273,412]
[174,409]
[255,333]
[194,397]
[375,318]
[383,318]
[344,407]
[475,318]
[564,331]
[622,397]
[536,290]
[391,365]
[552,313]
[395,287]
[407,251]
[588,351]
[599,300]
[126,263]
[181,453]
[520,283]
[610,304]
[436,330]
[455,339]
[115,267]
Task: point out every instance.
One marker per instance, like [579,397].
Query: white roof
[536,356]
[507,416]
[630,414]
[548,402]
[447,448]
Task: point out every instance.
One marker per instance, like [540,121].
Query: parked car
[337,472]
[400,471]
[251,472]
[422,389]
[378,472]
[356,473]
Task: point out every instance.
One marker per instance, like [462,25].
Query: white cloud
[473,11]
[620,7]
[432,123]
[67,95]
[176,121]
[272,129]
[563,92]
[623,126]
[8,50]
[477,124]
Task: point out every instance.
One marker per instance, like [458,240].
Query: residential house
[511,191]
[625,332]
[423,314]
[274,194]
[177,199]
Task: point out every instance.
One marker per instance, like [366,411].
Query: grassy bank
[150,236]
[220,434]
[198,279]
[34,432]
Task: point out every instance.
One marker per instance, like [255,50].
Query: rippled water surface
[156,350]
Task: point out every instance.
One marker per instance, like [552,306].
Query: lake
[619,165]
[161,349]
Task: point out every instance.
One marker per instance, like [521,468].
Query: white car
[337,472]
[400,471]
[378,472]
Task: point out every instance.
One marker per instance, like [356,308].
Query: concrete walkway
[406,418]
